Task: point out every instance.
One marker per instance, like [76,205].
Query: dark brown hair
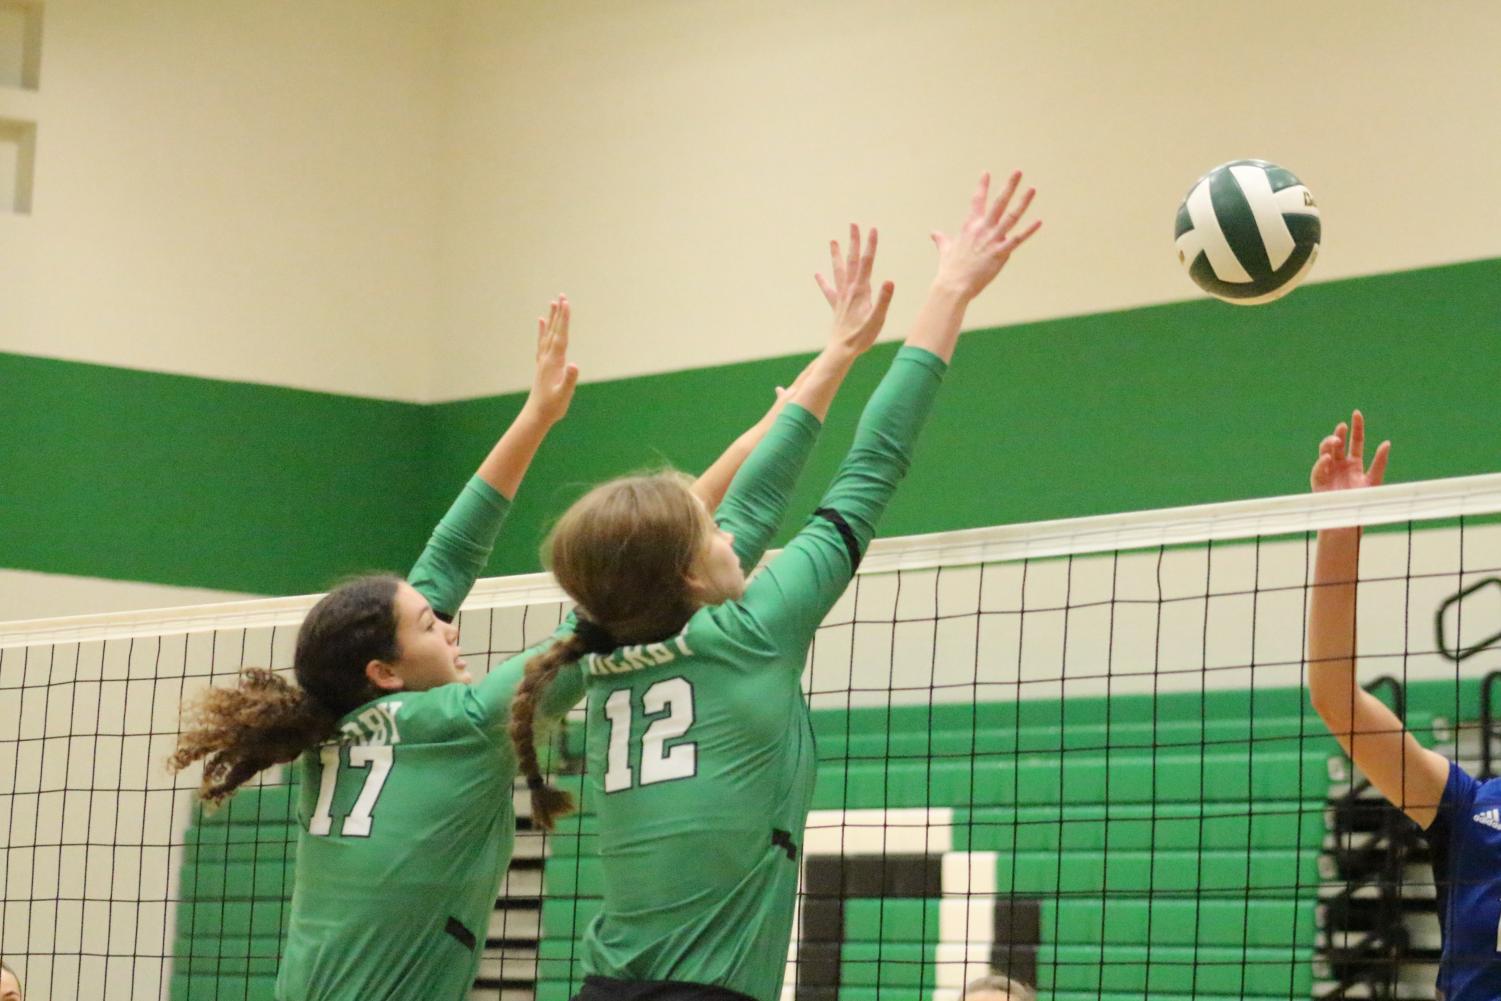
[623,552]
[265,720]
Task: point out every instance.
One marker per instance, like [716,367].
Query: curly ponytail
[548,802]
[237,732]
[265,720]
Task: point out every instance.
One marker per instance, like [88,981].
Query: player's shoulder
[715,638]
[735,626]
[1472,807]
[435,716]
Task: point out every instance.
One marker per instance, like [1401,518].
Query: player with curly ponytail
[700,746]
[265,720]
[404,769]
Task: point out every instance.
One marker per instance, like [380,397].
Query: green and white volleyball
[1248,232]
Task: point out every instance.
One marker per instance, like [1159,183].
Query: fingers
[852,266]
[994,218]
[939,240]
[1377,472]
[836,264]
[978,200]
[1321,467]
[829,291]
[560,325]
[1357,435]
[868,261]
[1010,218]
[883,300]
[1331,447]
[552,329]
[1342,439]
[1017,239]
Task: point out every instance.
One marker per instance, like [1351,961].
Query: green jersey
[408,821]
[407,818]
[700,748]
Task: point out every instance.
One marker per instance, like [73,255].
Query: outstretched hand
[1341,465]
[970,260]
[858,318]
[556,377]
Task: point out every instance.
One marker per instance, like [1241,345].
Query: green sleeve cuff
[796,413]
[485,494]
[923,357]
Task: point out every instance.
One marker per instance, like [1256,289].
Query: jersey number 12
[671,702]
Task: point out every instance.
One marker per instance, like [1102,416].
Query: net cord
[1136,530]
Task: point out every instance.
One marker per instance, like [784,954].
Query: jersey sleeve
[757,500]
[792,595]
[491,697]
[459,548]
[1458,798]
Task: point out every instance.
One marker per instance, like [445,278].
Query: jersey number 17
[379,758]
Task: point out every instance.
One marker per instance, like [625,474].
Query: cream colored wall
[243,191]
[375,196]
[25,595]
[677,166]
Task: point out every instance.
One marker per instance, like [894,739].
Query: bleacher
[1169,845]
[1137,847]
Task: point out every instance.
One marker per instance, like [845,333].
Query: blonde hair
[623,552]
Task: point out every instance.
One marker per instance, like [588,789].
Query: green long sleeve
[460,547]
[792,596]
[757,500]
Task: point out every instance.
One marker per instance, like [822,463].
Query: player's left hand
[858,318]
[556,377]
[1341,466]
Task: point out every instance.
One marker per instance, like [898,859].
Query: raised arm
[713,484]
[757,499]
[797,590]
[461,544]
[1408,774]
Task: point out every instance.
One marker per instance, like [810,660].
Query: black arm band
[851,544]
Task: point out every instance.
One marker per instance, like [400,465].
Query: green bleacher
[235,890]
[1171,844]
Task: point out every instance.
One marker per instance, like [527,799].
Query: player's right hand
[969,260]
[556,377]
[1342,467]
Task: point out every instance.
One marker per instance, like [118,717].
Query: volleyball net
[1077,752]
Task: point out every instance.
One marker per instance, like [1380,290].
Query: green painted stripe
[141,476]
[1185,403]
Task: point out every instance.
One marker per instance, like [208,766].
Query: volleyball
[1248,232]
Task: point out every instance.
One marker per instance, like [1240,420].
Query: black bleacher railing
[1364,935]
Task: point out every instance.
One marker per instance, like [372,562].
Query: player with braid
[700,746]
[406,773]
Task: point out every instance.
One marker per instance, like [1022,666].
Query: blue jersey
[1465,838]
